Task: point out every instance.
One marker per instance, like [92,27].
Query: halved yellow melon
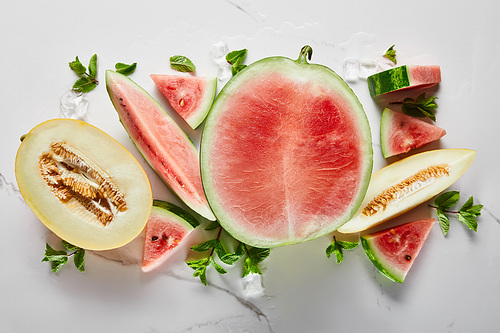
[402,185]
[82,184]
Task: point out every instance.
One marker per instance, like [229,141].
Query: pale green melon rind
[379,262]
[206,103]
[389,80]
[159,205]
[166,213]
[385,126]
[299,71]
[114,76]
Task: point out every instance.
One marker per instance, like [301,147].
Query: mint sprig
[216,250]
[338,247]
[88,80]
[467,214]
[420,107]
[182,64]
[236,58]
[391,54]
[125,69]
[59,258]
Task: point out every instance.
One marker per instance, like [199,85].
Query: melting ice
[73,105]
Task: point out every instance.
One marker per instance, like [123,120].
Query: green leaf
[217,267]
[202,274]
[93,66]
[250,267]
[78,259]
[182,64]
[391,54]
[195,264]
[212,225]
[219,249]
[258,254]
[77,67]
[84,84]
[447,199]
[331,249]
[69,246]
[205,246]
[231,258]
[237,56]
[468,219]
[444,221]
[420,107]
[57,264]
[475,210]
[125,69]
[236,68]
[347,245]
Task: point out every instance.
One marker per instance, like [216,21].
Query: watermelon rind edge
[183,214]
[373,258]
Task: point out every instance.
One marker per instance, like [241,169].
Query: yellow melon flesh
[407,183]
[82,184]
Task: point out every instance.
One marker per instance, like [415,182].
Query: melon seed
[404,188]
[71,175]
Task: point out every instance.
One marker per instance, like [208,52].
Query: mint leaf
[217,267]
[205,246]
[84,84]
[447,199]
[182,64]
[93,66]
[420,107]
[57,258]
[444,221]
[391,54]
[250,267]
[237,56]
[69,246]
[77,67]
[202,274]
[468,219]
[258,254]
[125,69]
[236,68]
[79,260]
[212,225]
[338,247]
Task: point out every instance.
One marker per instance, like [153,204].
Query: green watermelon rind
[176,210]
[385,123]
[208,98]
[389,80]
[269,64]
[377,260]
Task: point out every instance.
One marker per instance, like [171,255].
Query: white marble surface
[453,286]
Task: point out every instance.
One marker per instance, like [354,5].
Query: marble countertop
[453,286]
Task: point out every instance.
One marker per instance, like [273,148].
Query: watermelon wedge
[286,152]
[167,226]
[164,145]
[403,77]
[393,251]
[190,96]
[400,133]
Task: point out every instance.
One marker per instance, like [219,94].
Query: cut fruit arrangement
[285,157]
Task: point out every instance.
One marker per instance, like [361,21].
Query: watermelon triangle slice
[394,250]
[190,96]
[400,133]
[167,226]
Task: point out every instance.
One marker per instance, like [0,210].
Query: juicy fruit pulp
[190,96]
[167,226]
[286,153]
[402,77]
[160,140]
[84,194]
[393,251]
[402,185]
[400,133]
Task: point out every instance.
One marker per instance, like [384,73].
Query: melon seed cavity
[406,187]
[72,176]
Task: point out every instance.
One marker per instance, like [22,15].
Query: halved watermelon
[400,133]
[167,226]
[160,140]
[394,250]
[286,152]
[190,96]
[402,77]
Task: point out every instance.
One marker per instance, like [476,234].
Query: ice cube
[73,105]
[218,53]
[367,68]
[252,285]
[351,70]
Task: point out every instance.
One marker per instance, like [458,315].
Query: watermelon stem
[304,55]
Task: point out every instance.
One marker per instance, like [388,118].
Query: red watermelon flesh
[160,140]
[286,153]
[165,230]
[400,133]
[394,250]
[190,96]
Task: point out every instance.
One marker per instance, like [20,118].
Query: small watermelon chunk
[190,96]
[402,77]
[167,226]
[394,250]
[400,133]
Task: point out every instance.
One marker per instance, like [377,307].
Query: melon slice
[402,185]
[164,145]
[168,225]
[190,96]
[403,77]
[393,251]
[400,133]
[286,152]
[82,184]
